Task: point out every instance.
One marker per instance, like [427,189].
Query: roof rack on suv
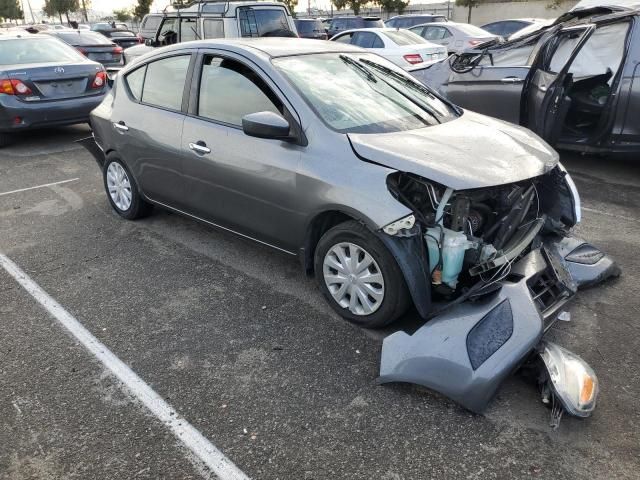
[206,6]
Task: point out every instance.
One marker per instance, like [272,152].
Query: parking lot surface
[239,341]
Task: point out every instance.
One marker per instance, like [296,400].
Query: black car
[124,38]
[341,24]
[92,45]
[506,28]
[408,21]
[311,28]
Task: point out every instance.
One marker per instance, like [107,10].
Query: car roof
[22,35]
[374,29]
[269,46]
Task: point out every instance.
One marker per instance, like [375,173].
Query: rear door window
[164,82]
[229,90]
[135,81]
[263,22]
[363,39]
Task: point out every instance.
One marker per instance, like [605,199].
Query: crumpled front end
[501,264]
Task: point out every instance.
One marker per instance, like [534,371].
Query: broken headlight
[577,208]
[572,380]
[405,223]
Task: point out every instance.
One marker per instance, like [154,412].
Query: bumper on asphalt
[17,115]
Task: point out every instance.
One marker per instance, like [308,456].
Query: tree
[11,10]
[59,7]
[468,3]
[393,5]
[142,8]
[339,4]
[122,15]
[356,5]
[291,5]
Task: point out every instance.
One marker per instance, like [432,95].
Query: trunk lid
[56,81]
[473,151]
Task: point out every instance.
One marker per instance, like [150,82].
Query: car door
[148,118]
[242,183]
[546,99]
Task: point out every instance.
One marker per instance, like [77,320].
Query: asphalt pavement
[237,340]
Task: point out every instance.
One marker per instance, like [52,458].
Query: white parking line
[183,430]
[39,186]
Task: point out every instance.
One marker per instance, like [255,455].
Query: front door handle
[120,126]
[512,80]
[200,147]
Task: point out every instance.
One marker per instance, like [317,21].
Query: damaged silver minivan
[391,194]
[575,82]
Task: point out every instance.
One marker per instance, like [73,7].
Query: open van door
[546,102]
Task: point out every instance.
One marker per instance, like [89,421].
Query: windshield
[404,37]
[263,22]
[22,51]
[86,38]
[309,26]
[362,93]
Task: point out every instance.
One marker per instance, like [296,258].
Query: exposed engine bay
[473,236]
[501,265]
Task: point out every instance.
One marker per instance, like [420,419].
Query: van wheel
[122,190]
[359,277]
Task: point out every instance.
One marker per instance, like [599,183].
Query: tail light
[14,87]
[100,80]
[413,58]
[117,50]
[473,43]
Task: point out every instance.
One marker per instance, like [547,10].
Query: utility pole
[33,20]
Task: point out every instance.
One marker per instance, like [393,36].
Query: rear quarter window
[263,22]
[135,81]
[151,23]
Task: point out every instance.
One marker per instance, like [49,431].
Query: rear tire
[122,190]
[359,277]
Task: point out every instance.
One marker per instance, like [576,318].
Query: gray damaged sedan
[391,195]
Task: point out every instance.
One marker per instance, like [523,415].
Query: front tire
[359,277]
[122,190]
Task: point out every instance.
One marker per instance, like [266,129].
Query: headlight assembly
[572,381]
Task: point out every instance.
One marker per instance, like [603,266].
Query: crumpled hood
[473,151]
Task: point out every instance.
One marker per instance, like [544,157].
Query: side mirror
[149,42]
[266,125]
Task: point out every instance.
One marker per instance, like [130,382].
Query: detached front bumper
[468,351]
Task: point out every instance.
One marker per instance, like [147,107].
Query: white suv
[219,19]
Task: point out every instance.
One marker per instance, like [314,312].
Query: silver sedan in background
[455,37]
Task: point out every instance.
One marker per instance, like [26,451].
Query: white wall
[490,12]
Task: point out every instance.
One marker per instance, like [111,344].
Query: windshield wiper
[350,61]
[407,83]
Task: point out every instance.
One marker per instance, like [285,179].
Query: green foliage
[122,15]
[291,5]
[142,8]
[393,5]
[10,10]
[339,4]
[53,7]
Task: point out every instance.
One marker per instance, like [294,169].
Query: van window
[151,23]
[213,28]
[263,22]
[230,90]
[164,82]
[189,29]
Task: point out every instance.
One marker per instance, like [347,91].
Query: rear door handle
[511,80]
[200,147]
[120,126]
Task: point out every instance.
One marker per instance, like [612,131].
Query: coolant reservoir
[453,247]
